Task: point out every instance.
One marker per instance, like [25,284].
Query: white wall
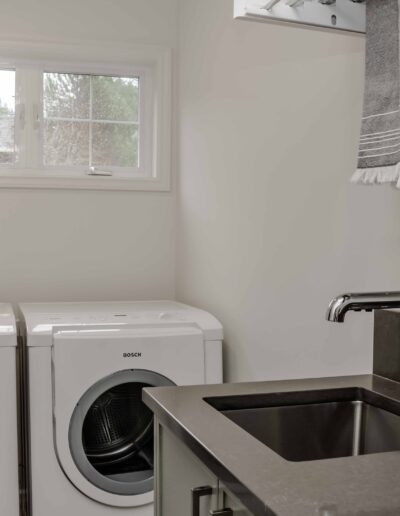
[67,245]
[269,226]
[144,21]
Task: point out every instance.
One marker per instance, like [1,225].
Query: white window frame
[151,64]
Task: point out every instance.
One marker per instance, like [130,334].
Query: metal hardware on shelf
[269,5]
[222,512]
[294,3]
[346,15]
[197,493]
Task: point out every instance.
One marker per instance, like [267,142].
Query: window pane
[66,95]
[90,120]
[7,116]
[7,148]
[115,98]
[115,145]
[66,143]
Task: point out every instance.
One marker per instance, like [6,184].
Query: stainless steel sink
[315,425]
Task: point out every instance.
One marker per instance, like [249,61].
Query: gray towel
[379,150]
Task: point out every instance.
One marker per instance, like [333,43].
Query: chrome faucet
[340,305]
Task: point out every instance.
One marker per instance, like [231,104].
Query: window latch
[36,117]
[22,117]
[94,171]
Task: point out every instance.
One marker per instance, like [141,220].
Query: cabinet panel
[178,472]
[230,501]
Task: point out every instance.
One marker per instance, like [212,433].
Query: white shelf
[342,15]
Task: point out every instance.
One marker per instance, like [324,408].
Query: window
[7,117]
[97,115]
[86,125]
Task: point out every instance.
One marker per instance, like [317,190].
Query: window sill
[13,178]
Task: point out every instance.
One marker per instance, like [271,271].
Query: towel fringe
[378,175]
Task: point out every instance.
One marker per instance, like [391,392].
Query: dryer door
[111,433]
[103,431]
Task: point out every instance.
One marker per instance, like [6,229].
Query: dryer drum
[117,425]
[111,433]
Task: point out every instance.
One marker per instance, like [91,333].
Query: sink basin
[315,425]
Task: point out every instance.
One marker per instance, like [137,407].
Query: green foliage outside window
[91,120]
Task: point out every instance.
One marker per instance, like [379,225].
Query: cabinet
[184,486]
[233,503]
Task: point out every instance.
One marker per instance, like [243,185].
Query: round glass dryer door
[111,433]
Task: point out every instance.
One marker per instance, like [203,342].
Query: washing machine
[9,488]
[91,437]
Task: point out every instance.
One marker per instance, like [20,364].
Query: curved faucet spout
[344,303]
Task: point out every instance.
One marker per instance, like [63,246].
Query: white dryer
[91,437]
[9,496]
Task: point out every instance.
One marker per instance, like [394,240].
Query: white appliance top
[8,327]
[43,319]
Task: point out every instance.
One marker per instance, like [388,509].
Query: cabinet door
[231,502]
[178,472]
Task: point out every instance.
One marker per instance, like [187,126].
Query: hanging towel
[379,149]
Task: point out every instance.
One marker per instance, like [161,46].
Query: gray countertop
[266,483]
